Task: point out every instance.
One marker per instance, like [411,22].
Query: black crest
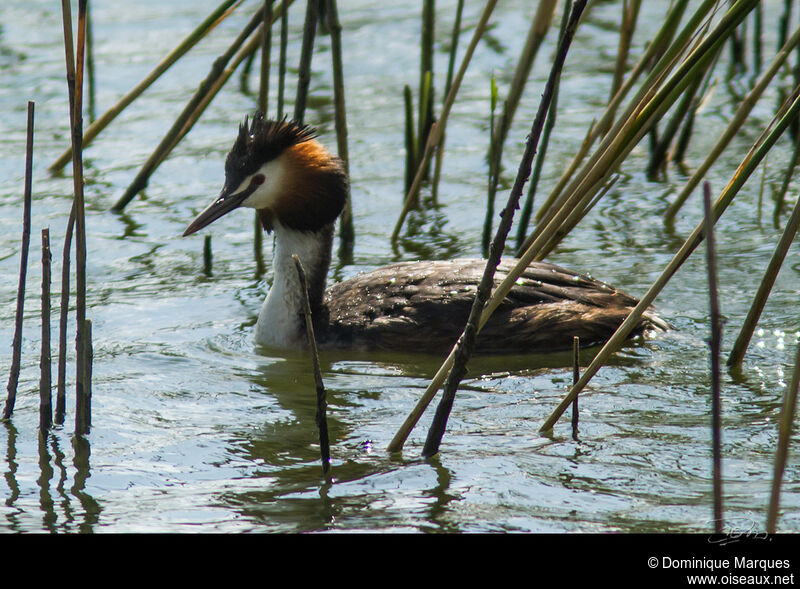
[260,141]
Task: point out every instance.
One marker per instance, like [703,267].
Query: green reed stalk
[714,343]
[410,140]
[738,119]
[425,115]
[282,58]
[494,169]
[740,176]
[437,130]
[347,234]
[266,44]
[16,346]
[780,198]
[787,417]
[45,381]
[222,11]
[83,406]
[321,419]
[576,375]
[527,208]
[451,64]
[306,52]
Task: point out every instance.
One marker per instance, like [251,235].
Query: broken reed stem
[740,176]
[437,129]
[16,357]
[347,233]
[45,380]
[788,410]
[463,348]
[83,405]
[304,72]
[222,11]
[207,255]
[322,421]
[714,343]
[738,119]
[61,387]
[576,375]
[182,124]
[765,288]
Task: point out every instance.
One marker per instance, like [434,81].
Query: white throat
[280,321]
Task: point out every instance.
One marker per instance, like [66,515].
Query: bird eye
[257,180]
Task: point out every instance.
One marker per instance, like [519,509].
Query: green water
[195,430]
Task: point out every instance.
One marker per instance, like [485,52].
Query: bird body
[299,189]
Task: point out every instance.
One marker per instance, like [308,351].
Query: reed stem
[321,419]
[16,355]
[45,381]
[304,73]
[576,375]
[787,417]
[714,343]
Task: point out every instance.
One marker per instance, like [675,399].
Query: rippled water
[194,430]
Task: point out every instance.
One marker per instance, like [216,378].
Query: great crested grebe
[299,189]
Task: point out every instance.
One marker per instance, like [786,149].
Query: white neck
[280,322]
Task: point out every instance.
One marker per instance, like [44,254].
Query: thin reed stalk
[550,123]
[306,51]
[738,119]
[765,288]
[16,346]
[451,65]
[45,381]
[743,172]
[714,343]
[266,43]
[321,419]
[61,386]
[207,255]
[630,14]
[83,406]
[425,115]
[437,129]
[780,197]
[221,12]
[576,375]
[282,58]
[462,350]
[347,233]
[787,417]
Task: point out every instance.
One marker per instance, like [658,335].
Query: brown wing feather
[422,306]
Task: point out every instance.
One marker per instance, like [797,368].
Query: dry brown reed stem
[45,381]
[576,375]
[347,233]
[61,386]
[222,11]
[186,119]
[787,417]
[16,346]
[83,406]
[75,73]
[540,25]
[738,119]
[629,130]
[462,350]
[714,343]
[437,129]
[306,53]
[765,288]
[743,172]
[322,421]
[630,14]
